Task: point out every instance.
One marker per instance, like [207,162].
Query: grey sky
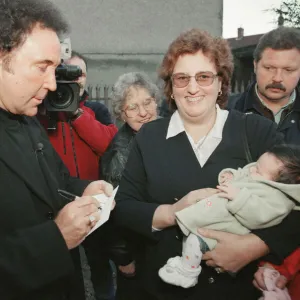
[248,14]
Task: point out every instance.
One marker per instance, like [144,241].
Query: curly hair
[19,17]
[123,85]
[190,42]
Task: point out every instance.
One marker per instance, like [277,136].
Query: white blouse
[207,144]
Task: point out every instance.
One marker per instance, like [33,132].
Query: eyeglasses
[132,110]
[181,80]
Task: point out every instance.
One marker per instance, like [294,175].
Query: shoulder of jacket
[88,110]
[95,105]
[153,131]
[158,123]
[233,100]
[251,118]
[259,120]
[155,127]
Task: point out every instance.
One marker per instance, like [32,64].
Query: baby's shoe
[174,272]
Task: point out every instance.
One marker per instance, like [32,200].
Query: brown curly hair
[190,42]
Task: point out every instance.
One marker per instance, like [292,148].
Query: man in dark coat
[39,228]
[275,94]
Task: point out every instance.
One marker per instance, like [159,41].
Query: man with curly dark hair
[40,225]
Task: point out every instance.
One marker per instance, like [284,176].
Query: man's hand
[76,219]
[228,191]
[98,187]
[232,251]
[259,282]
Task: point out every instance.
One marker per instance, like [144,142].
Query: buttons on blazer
[211,280]
[177,237]
[50,215]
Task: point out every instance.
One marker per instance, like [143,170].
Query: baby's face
[267,167]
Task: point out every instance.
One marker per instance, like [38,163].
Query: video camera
[66,97]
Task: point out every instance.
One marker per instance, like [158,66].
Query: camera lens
[62,97]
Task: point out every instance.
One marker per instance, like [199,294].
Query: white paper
[105,204]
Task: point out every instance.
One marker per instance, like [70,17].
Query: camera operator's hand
[76,114]
[76,219]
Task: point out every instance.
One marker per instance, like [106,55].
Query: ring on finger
[219,270]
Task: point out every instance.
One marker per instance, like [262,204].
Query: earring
[172,96]
[220,94]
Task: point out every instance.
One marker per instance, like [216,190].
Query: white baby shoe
[174,272]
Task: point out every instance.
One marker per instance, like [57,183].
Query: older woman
[134,100]
[174,160]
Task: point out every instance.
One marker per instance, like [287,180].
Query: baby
[259,195]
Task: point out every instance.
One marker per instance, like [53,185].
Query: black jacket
[35,263]
[102,113]
[159,170]
[289,125]
[112,164]
[115,157]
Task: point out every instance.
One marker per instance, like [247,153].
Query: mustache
[278,86]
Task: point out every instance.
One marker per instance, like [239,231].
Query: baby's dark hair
[289,155]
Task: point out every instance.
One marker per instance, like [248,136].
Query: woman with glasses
[174,162]
[134,100]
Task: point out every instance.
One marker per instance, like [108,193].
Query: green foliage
[288,13]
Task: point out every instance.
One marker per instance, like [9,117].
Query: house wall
[119,36]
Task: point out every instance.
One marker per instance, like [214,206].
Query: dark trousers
[129,288]
[102,279]
[101,271]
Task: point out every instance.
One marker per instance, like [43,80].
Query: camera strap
[74,150]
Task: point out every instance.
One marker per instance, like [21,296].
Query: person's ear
[5,61]
[220,85]
[255,66]
[123,117]
[1,59]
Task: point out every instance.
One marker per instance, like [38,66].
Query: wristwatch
[77,114]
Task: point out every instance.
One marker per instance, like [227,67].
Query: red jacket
[81,142]
[291,270]
[290,266]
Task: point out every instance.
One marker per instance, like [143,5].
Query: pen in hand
[71,196]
